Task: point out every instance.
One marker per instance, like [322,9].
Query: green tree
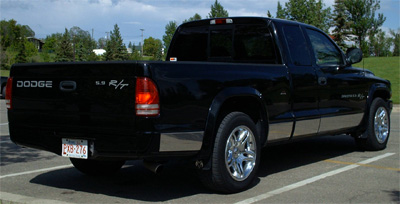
[3,59]
[83,43]
[51,42]
[217,11]
[269,15]
[64,50]
[132,46]
[10,32]
[132,55]
[24,49]
[280,12]
[115,48]
[22,56]
[136,55]
[363,22]
[80,52]
[396,41]
[380,44]
[26,31]
[310,12]
[152,47]
[94,57]
[14,46]
[170,29]
[341,26]
[31,50]
[50,46]
[196,17]
[101,43]
[8,57]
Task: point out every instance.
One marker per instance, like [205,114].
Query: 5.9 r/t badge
[115,83]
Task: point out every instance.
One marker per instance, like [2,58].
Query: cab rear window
[234,43]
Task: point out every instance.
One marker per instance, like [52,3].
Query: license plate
[75,148]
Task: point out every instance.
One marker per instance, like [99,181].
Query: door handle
[67,86]
[322,81]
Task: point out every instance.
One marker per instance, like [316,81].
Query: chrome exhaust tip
[153,166]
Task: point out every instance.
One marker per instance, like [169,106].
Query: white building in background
[99,52]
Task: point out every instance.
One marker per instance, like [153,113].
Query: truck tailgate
[77,88]
[93,101]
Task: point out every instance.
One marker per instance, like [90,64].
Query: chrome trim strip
[278,131]
[306,127]
[340,122]
[181,141]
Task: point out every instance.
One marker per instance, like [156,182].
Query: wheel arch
[380,90]
[242,99]
[376,90]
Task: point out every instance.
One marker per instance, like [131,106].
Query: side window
[297,46]
[326,53]
[253,43]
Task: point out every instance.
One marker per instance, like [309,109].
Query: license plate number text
[75,148]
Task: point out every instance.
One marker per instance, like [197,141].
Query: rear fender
[214,117]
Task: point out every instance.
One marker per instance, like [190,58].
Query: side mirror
[353,55]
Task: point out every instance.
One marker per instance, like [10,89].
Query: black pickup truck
[229,87]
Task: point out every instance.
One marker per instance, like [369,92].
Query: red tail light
[9,93]
[147,99]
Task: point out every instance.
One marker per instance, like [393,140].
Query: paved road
[320,170]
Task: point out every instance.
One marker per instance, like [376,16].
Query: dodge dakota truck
[228,87]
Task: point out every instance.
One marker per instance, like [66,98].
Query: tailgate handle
[67,86]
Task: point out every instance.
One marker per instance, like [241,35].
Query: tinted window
[236,43]
[324,50]
[221,43]
[297,46]
[191,44]
[254,43]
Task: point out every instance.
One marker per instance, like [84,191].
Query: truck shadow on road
[280,158]
[177,181]
[133,181]
[10,153]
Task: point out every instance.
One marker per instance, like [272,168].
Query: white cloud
[132,23]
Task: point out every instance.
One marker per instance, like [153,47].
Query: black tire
[378,127]
[97,168]
[228,172]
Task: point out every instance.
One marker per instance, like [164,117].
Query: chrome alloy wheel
[240,153]
[381,124]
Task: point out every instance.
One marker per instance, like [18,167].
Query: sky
[46,17]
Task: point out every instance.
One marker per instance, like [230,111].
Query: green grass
[148,58]
[387,68]
[5,73]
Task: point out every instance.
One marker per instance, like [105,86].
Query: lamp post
[142,42]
